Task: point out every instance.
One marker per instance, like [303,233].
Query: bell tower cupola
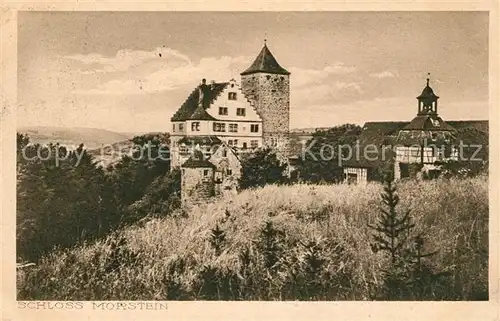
[427,101]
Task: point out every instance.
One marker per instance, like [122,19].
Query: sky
[130,71]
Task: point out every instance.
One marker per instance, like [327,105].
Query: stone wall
[270,94]
[195,187]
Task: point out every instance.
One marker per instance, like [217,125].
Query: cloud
[383,74]
[325,114]
[142,72]
[126,59]
[339,68]
[327,93]
[303,77]
[164,69]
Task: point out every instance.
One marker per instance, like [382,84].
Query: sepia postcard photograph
[262,156]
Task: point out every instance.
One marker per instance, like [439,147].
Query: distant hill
[112,153]
[309,130]
[92,138]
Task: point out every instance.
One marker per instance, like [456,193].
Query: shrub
[261,168]
[406,276]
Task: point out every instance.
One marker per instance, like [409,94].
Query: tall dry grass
[172,258]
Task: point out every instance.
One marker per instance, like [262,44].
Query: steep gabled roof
[197,160]
[428,123]
[210,93]
[377,132]
[481,125]
[265,62]
[201,114]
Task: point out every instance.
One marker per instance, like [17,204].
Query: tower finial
[265,38]
[428,76]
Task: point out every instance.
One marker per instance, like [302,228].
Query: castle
[221,122]
[403,147]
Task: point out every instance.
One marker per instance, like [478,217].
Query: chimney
[201,92]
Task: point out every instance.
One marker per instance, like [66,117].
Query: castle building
[227,120]
[197,179]
[421,140]
[408,148]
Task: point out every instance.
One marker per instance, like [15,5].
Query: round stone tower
[197,179]
[267,85]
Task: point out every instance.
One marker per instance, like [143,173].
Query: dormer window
[231,96]
[195,126]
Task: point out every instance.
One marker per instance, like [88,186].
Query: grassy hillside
[184,257]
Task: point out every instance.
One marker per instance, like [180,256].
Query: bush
[261,168]
[60,201]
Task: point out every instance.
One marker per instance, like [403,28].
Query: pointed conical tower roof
[265,62]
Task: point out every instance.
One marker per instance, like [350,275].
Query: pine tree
[392,228]
[270,244]
[217,239]
[407,276]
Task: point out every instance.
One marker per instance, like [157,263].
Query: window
[232,142]
[195,126]
[205,172]
[183,149]
[254,128]
[240,112]
[254,143]
[181,127]
[231,96]
[415,152]
[352,178]
[233,128]
[224,153]
[219,127]
[229,171]
[245,145]
[223,111]
[173,127]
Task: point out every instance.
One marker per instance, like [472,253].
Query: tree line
[65,198]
